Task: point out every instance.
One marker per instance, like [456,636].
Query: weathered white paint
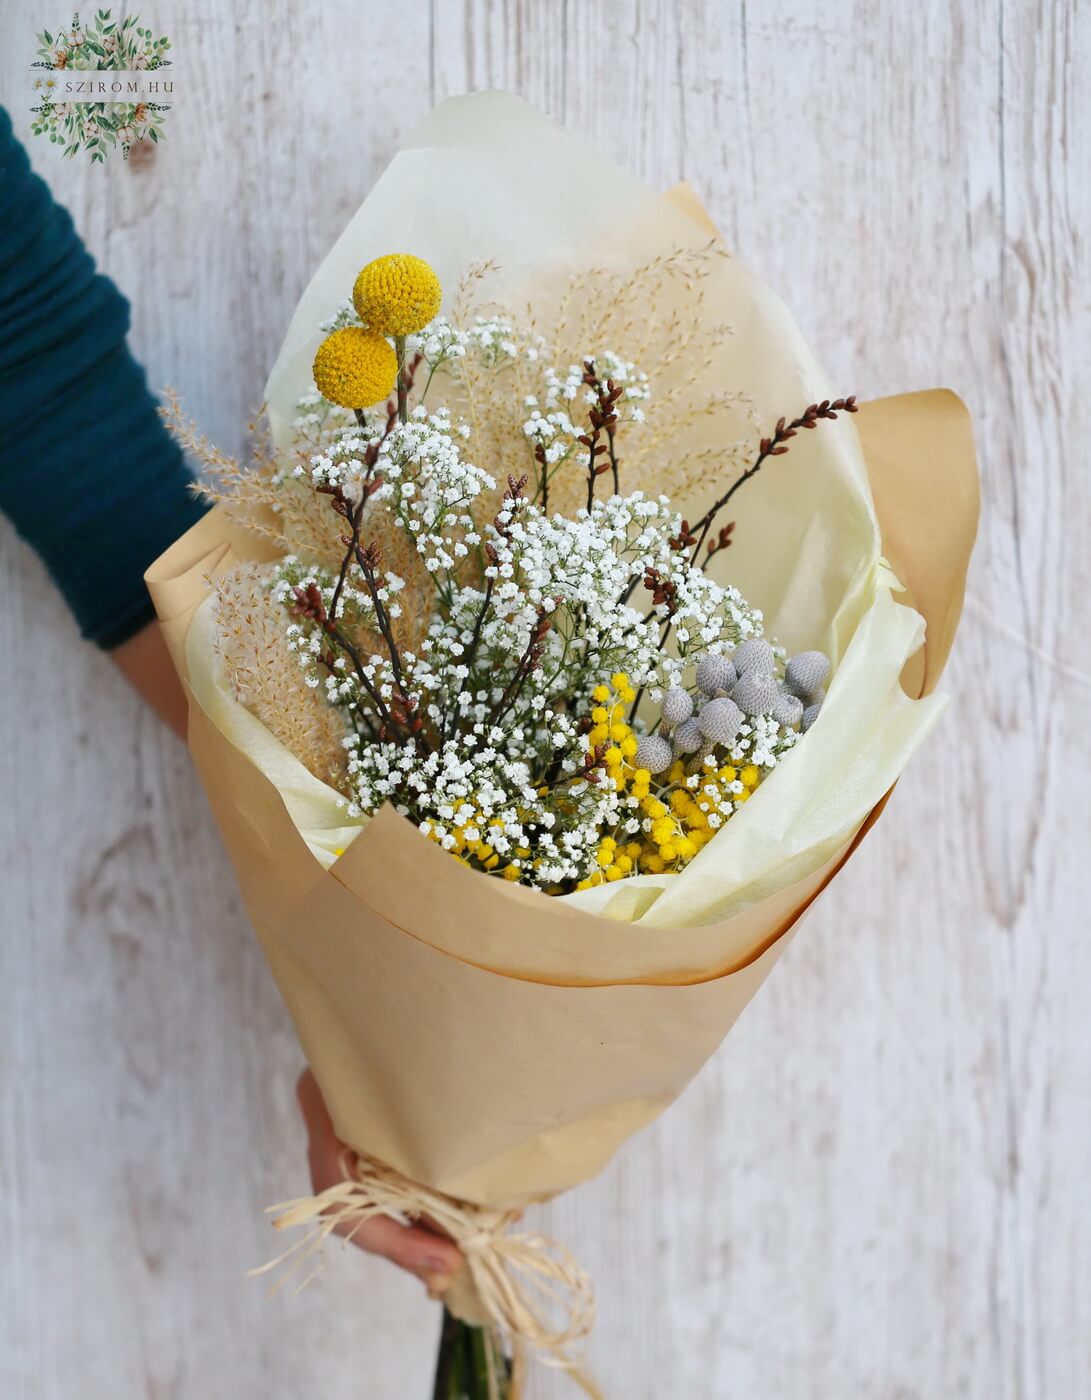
[879,1188]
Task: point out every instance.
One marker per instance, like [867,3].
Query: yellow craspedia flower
[355,368]
[396,295]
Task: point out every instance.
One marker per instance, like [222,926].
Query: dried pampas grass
[266,677]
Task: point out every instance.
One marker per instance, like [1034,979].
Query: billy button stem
[403,387]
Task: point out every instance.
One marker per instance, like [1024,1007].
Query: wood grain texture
[878,1190]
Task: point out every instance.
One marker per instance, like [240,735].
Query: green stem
[478,1375]
[470,1365]
[445,1361]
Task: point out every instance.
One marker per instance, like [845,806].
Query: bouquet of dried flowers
[527,661]
[524,796]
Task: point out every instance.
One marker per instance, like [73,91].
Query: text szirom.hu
[113,87]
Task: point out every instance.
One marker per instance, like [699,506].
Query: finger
[323,1147]
[411,1247]
[316,1116]
[429,1255]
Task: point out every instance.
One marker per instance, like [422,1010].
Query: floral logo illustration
[102,87]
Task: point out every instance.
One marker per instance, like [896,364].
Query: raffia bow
[527,1287]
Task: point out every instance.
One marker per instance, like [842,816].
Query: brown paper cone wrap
[479,1037]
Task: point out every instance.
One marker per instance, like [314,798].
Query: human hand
[423,1252]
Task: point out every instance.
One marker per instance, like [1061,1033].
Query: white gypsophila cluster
[482,733]
[553,414]
[345,315]
[760,741]
[424,481]
[563,388]
[497,746]
[553,432]
[494,751]
[563,396]
[480,785]
[491,340]
[430,487]
[581,569]
[356,610]
[317,424]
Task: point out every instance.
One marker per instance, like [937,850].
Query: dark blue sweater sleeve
[88,474]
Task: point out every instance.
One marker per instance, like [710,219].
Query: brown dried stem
[604,414]
[774,446]
[529,661]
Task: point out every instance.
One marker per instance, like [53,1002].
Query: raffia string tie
[526,1286]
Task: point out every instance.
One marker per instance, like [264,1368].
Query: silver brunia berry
[720,720]
[677,706]
[714,674]
[755,654]
[756,693]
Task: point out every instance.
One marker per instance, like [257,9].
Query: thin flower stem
[524,666]
[592,449]
[355,515]
[615,465]
[350,551]
[471,654]
[383,620]
[403,381]
[336,635]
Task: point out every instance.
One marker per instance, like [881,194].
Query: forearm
[88,473]
[145,663]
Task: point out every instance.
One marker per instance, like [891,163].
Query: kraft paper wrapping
[480,1037]
[493,1042]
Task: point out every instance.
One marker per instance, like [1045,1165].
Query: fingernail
[437,1263]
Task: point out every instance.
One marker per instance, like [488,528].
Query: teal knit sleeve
[88,474]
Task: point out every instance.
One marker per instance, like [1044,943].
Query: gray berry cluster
[805,680]
[732,689]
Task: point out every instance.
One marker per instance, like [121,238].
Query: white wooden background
[880,1186]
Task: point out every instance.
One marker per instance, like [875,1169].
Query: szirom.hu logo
[104,87]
